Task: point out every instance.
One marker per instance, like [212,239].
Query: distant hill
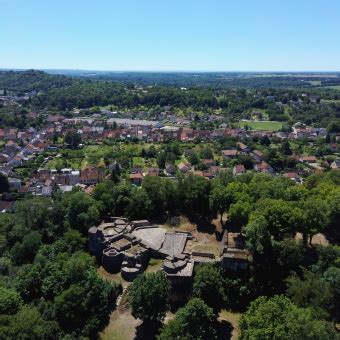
[22,82]
[211,79]
[34,80]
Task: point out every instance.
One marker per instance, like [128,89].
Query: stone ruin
[118,249]
[126,246]
[233,254]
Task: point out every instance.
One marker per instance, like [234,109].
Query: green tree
[332,277]
[334,212]
[84,307]
[39,214]
[195,191]
[218,201]
[69,308]
[148,297]
[81,212]
[28,282]
[115,173]
[140,205]
[28,323]
[73,139]
[193,158]
[25,251]
[285,148]
[156,191]
[265,140]
[239,213]
[206,153]
[208,286]
[311,291]
[279,318]
[289,255]
[316,217]
[194,321]
[258,238]
[282,217]
[10,301]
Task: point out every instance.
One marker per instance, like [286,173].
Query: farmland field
[262,125]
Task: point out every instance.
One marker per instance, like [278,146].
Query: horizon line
[167,71]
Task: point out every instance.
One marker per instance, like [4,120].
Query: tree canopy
[149,296]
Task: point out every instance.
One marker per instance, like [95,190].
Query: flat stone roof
[174,243]
[152,237]
[186,271]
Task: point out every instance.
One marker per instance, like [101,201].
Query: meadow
[262,125]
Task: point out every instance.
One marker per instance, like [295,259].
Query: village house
[14,183]
[16,160]
[185,134]
[137,170]
[257,155]
[207,174]
[184,167]
[215,169]
[136,178]
[89,176]
[72,176]
[263,167]
[333,147]
[4,158]
[335,164]
[229,154]
[293,176]
[208,162]
[238,169]
[244,149]
[308,159]
[170,170]
[7,206]
[152,172]
[11,148]
[10,134]
[203,134]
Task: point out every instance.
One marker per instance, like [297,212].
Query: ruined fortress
[127,246]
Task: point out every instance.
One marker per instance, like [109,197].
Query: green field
[334,87]
[329,101]
[315,82]
[262,125]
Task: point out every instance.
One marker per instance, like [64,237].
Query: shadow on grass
[224,330]
[148,330]
[204,225]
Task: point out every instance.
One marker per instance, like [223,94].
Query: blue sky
[171,35]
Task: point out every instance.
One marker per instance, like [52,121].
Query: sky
[171,35]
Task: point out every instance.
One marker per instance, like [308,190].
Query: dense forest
[49,285]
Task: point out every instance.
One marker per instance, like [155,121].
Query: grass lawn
[154,266]
[122,325]
[138,161]
[262,125]
[112,277]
